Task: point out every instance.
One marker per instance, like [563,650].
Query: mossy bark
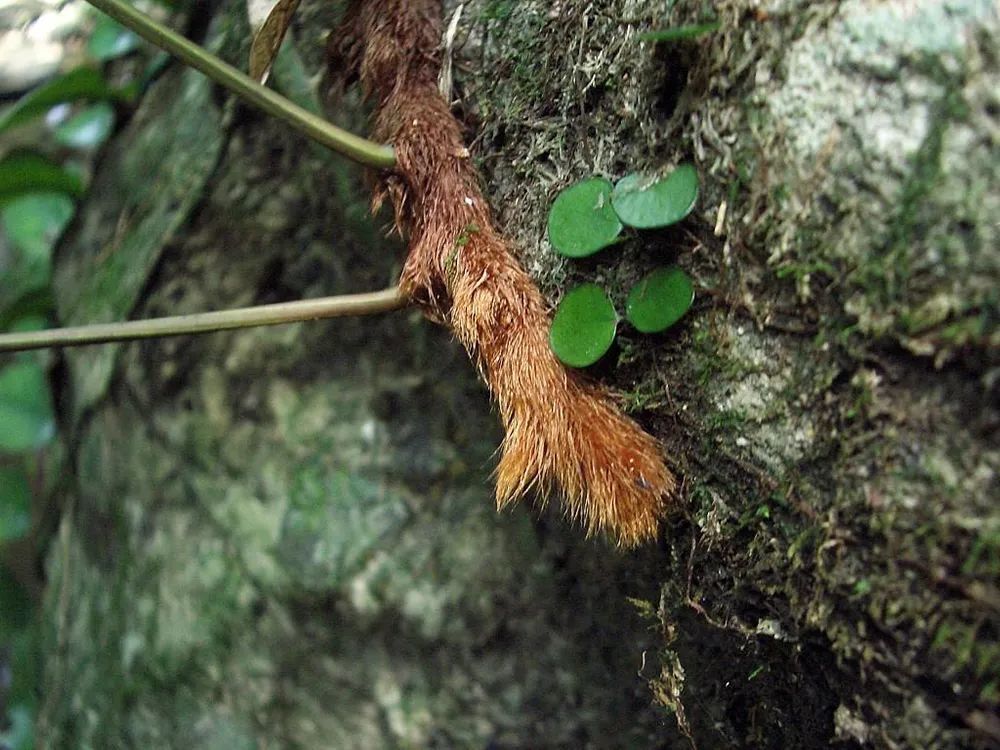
[285,537]
[831,574]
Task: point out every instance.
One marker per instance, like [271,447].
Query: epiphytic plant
[562,430]
[589,216]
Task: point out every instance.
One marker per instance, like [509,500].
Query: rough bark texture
[285,538]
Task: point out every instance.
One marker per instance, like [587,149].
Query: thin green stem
[352,146]
[246,317]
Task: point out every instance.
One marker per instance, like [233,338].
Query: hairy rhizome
[563,431]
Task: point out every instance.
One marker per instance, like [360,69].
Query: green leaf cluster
[584,326]
[63,121]
[590,216]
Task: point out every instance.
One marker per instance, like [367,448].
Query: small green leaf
[24,172]
[659,300]
[110,40]
[582,221]
[33,222]
[15,503]
[25,407]
[680,32]
[584,326]
[81,83]
[88,128]
[648,202]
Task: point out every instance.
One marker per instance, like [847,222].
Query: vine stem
[262,315]
[352,146]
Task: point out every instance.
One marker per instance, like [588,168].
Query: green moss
[726,420]
[884,273]
[983,558]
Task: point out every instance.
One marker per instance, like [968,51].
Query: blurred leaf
[15,604]
[28,323]
[20,633]
[152,69]
[21,733]
[581,220]
[19,300]
[292,79]
[25,407]
[82,83]
[33,222]
[88,128]
[24,172]
[24,290]
[110,40]
[659,300]
[268,37]
[648,202]
[15,503]
[584,326]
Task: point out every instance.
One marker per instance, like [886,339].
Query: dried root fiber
[563,432]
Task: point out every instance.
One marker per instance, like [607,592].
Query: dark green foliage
[24,172]
[25,407]
[659,300]
[78,84]
[584,326]
[582,221]
[649,202]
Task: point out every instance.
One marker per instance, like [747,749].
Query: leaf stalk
[262,315]
[352,146]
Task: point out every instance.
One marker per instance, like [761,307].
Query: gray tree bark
[285,537]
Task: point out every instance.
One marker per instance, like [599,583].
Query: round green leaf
[25,407]
[584,326]
[648,202]
[659,300]
[88,128]
[582,221]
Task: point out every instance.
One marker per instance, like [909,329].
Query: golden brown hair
[562,430]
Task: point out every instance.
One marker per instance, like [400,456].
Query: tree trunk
[286,537]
